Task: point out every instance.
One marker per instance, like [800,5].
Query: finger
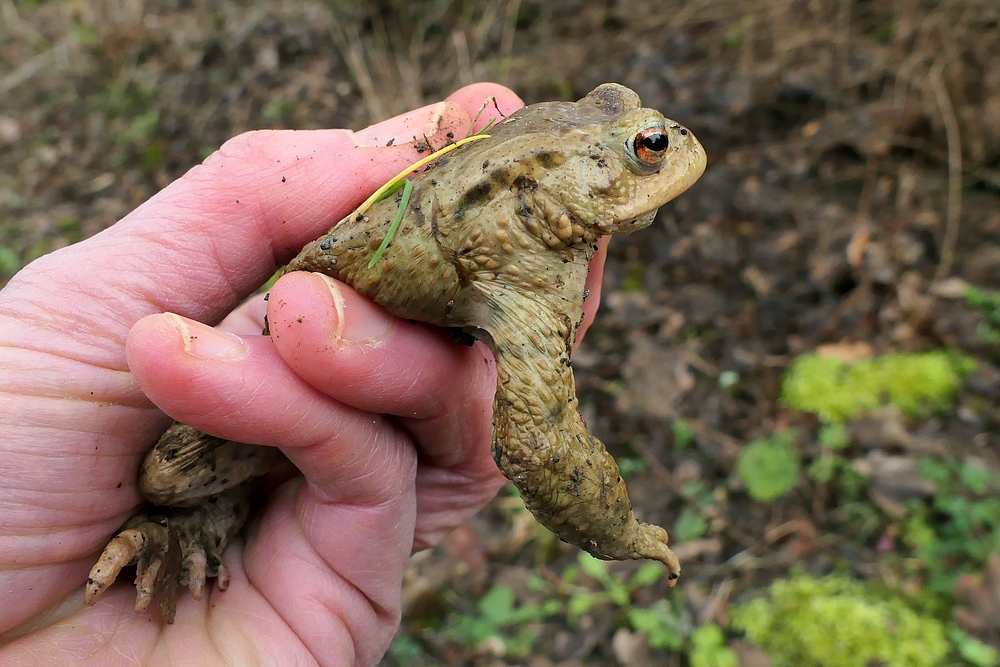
[350,349]
[347,347]
[248,319]
[332,571]
[353,351]
[592,288]
[181,364]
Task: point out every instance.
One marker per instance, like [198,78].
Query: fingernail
[201,340]
[358,319]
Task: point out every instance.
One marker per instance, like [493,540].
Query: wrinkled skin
[495,239]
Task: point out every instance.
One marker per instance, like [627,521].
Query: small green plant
[986,302]
[699,504]
[831,466]
[500,616]
[769,467]
[957,530]
[663,624]
[836,622]
[683,433]
[279,109]
[972,650]
[615,591]
[142,128]
[635,277]
[126,99]
[733,38]
[405,650]
[630,466]
[833,437]
[666,625]
[837,390]
[709,648]
[10,261]
[690,524]
[861,517]
[28,5]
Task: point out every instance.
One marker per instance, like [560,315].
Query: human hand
[388,421]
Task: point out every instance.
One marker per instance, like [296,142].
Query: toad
[494,240]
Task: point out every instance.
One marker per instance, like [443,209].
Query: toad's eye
[649,145]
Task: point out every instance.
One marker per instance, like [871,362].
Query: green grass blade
[394,225]
[486,127]
[393,189]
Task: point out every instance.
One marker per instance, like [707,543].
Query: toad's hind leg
[186,466]
[171,548]
[201,484]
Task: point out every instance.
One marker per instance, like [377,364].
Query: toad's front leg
[565,475]
[201,485]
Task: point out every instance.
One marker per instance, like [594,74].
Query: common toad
[495,240]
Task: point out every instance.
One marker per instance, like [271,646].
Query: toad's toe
[651,542]
[195,571]
[181,547]
[222,577]
[133,545]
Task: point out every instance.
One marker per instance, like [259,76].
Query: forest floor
[851,202]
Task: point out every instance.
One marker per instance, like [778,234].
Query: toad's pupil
[655,142]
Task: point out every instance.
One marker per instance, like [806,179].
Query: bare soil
[853,188]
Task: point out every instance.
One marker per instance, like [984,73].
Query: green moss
[836,622]
[837,390]
[769,467]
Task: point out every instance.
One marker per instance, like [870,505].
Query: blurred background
[795,366]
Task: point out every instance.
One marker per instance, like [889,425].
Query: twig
[507,41]
[862,290]
[18,25]
[59,52]
[720,595]
[977,174]
[353,53]
[462,57]
[480,33]
[841,42]
[954,138]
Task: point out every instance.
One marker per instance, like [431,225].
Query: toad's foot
[178,547]
[651,542]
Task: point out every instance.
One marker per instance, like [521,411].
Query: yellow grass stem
[412,168]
